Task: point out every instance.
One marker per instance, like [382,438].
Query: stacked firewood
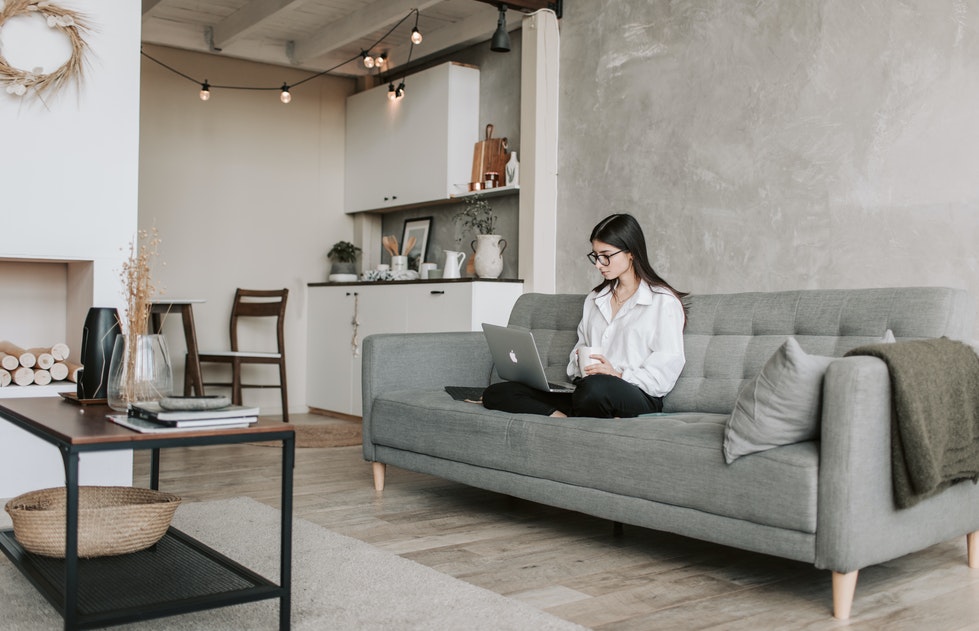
[41,366]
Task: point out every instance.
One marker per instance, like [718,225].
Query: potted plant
[488,246]
[477,216]
[343,255]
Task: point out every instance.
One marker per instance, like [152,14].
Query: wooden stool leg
[236,381]
[844,587]
[192,366]
[972,546]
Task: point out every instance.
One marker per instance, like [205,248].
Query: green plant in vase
[478,216]
[343,255]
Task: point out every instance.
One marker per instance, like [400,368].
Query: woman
[635,316]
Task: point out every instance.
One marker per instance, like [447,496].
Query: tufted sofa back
[729,337]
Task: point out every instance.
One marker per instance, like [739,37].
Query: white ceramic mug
[585,359]
[399,263]
[383,267]
[425,268]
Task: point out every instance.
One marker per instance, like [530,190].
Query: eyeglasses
[602,258]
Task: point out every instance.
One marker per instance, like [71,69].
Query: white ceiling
[318,34]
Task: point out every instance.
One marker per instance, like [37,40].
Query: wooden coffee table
[177,575]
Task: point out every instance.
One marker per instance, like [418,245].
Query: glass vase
[139,371]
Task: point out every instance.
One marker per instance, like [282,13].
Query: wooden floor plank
[573,565]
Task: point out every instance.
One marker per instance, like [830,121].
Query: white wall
[68,165]
[245,192]
[68,191]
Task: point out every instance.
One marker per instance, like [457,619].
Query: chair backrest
[260,303]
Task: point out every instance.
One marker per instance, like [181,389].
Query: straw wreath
[71,23]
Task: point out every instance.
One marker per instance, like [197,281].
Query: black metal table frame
[70,455]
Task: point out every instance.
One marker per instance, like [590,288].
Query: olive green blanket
[935,425]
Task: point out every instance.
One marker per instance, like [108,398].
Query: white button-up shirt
[644,341]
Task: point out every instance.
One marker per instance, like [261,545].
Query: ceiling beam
[370,19]
[148,5]
[528,6]
[245,19]
[476,28]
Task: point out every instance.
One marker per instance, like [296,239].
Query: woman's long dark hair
[624,232]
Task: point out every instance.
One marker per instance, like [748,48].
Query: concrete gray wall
[774,145]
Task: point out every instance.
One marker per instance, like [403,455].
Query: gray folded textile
[935,425]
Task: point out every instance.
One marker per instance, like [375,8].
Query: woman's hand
[601,366]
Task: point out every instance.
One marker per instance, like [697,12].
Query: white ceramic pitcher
[453,264]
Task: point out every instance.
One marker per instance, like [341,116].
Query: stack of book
[152,417]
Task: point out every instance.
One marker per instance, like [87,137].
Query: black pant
[599,396]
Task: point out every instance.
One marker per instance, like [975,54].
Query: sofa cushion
[779,406]
[673,459]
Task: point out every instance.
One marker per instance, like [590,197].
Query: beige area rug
[339,583]
[328,432]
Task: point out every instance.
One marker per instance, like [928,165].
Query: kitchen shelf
[501,191]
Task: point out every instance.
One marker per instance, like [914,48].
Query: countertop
[416,282]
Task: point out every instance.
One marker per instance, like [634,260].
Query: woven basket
[111,520]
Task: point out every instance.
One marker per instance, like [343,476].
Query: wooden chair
[252,303]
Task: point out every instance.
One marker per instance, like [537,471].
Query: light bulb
[416,36]
[368,60]
[392,95]
[400,92]
[380,60]
[285,97]
[205,90]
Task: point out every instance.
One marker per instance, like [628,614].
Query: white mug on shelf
[425,268]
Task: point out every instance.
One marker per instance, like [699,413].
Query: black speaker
[99,334]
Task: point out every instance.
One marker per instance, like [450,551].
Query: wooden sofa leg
[844,586]
[972,546]
[379,468]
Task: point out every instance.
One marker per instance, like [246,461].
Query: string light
[416,36]
[285,96]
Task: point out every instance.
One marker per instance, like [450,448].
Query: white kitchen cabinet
[333,375]
[416,149]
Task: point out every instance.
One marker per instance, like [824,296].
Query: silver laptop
[516,358]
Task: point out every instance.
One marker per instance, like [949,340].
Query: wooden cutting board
[489,154]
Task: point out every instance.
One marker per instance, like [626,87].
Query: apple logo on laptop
[513,356]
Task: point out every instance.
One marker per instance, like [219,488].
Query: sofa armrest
[427,361]
[857,522]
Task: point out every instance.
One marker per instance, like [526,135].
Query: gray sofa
[827,501]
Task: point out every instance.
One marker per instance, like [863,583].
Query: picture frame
[419,228]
